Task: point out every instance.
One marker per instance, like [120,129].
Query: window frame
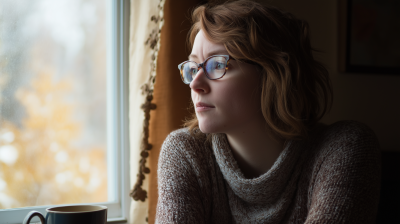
[117,122]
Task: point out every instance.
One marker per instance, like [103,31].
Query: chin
[204,130]
[209,127]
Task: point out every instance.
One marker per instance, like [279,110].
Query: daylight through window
[52,102]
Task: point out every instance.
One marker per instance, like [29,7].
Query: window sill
[117,221]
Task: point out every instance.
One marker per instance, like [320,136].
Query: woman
[254,151]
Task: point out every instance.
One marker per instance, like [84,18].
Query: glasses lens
[189,71]
[216,67]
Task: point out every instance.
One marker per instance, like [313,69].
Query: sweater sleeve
[179,198]
[346,187]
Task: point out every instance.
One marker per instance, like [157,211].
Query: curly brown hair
[296,89]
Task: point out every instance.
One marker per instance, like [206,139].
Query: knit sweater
[333,177]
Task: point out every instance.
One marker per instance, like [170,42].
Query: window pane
[52,102]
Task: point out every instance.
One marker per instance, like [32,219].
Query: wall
[369,98]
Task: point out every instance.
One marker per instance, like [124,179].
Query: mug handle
[32,214]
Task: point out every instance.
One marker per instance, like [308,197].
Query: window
[63,113]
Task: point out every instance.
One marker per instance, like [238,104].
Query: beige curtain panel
[145,24]
[171,95]
[159,100]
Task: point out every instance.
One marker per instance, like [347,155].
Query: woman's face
[230,103]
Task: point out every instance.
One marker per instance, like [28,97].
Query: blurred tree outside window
[52,102]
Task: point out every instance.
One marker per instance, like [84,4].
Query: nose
[200,82]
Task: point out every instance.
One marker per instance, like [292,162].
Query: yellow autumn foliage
[39,162]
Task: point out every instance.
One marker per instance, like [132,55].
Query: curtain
[145,23]
[154,56]
[171,95]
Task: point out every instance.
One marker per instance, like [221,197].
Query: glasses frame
[202,65]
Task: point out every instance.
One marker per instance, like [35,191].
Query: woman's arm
[179,199]
[346,188]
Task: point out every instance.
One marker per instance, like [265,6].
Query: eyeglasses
[214,67]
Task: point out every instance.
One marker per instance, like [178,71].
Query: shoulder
[346,137]
[350,129]
[183,137]
[346,174]
[181,140]
[347,144]
[181,146]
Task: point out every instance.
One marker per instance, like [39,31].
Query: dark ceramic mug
[76,214]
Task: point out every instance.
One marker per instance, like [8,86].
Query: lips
[203,107]
[200,104]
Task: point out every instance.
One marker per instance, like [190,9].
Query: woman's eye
[219,65]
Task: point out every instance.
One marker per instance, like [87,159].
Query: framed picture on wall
[369,36]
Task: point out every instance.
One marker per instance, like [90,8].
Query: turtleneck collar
[268,188]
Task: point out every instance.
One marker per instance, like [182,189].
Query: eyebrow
[217,52]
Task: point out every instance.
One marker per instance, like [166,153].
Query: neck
[254,148]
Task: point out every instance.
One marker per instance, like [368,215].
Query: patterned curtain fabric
[145,24]
[171,95]
[159,100]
